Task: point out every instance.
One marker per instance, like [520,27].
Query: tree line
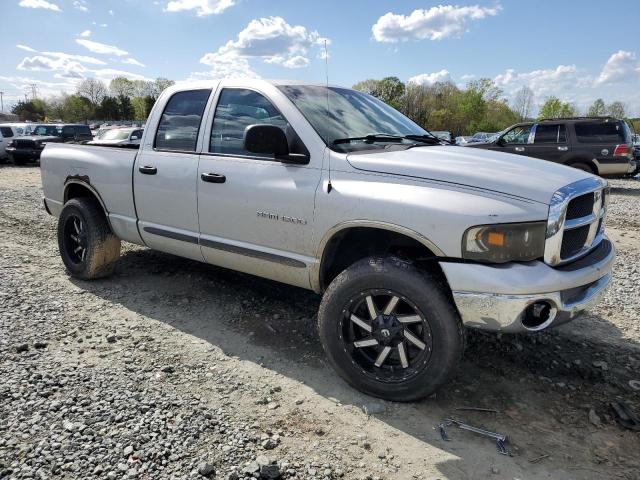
[122,99]
[479,107]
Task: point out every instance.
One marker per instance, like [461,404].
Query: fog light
[538,315]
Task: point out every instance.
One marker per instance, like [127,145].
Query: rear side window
[603,132]
[180,122]
[6,132]
[550,134]
[83,130]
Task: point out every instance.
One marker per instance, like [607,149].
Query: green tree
[76,109]
[369,86]
[121,87]
[125,108]
[31,111]
[109,109]
[553,107]
[597,108]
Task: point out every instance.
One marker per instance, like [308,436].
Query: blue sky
[576,50]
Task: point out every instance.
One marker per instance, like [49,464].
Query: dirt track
[184,351]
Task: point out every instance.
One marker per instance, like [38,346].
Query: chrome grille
[22,143]
[576,220]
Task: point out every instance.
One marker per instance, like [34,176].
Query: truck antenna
[326,71]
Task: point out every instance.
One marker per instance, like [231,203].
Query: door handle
[519,149]
[148,170]
[563,149]
[213,178]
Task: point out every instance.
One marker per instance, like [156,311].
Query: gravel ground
[175,369]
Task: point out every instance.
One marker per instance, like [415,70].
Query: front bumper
[501,297]
[23,153]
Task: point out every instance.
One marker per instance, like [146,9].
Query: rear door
[549,142]
[256,213]
[165,176]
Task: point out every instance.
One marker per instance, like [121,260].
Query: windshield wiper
[385,137]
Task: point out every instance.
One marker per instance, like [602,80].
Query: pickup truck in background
[408,240]
[27,148]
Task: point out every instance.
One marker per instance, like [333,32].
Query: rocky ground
[173,369]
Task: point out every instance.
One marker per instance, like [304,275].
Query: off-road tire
[426,293]
[102,246]
[19,161]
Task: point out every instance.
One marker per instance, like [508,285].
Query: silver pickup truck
[409,240]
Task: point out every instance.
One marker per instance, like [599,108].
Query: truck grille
[21,143]
[576,221]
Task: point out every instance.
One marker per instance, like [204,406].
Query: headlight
[505,243]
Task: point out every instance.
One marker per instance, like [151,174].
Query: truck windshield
[340,113]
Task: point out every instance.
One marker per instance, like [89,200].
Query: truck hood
[507,173]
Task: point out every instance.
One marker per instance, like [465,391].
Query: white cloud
[434,24]
[97,47]
[80,5]
[85,34]
[107,74]
[25,48]
[270,39]
[62,65]
[133,61]
[111,13]
[226,65]
[39,4]
[427,79]
[78,58]
[552,81]
[621,66]
[202,8]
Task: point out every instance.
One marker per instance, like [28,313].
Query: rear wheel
[389,329]
[88,247]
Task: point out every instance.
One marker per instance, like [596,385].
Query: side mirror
[271,140]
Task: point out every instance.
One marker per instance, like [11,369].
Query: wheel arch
[586,159]
[80,187]
[376,236]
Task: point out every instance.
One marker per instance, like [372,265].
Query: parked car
[444,135]
[6,135]
[119,137]
[462,140]
[599,145]
[409,241]
[28,148]
[480,137]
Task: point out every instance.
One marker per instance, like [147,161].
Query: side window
[599,132]
[550,134]
[236,110]
[517,135]
[6,132]
[68,132]
[180,122]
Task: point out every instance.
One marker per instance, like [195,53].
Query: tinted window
[236,110]
[180,122]
[6,132]
[46,130]
[550,134]
[83,130]
[68,132]
[601,132]
[517,135]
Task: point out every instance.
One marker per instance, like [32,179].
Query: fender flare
[314,273]
[85,182]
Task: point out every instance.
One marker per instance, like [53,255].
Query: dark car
[600,145]
[28,148]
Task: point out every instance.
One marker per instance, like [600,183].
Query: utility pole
[34,91]
[1,102]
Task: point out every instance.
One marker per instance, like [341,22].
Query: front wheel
[88,247]
[389,329]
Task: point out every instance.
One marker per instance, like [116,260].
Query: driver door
[255,212]
[517,140]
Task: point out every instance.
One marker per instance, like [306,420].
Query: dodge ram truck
[409,241]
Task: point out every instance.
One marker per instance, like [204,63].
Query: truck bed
[107,170]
